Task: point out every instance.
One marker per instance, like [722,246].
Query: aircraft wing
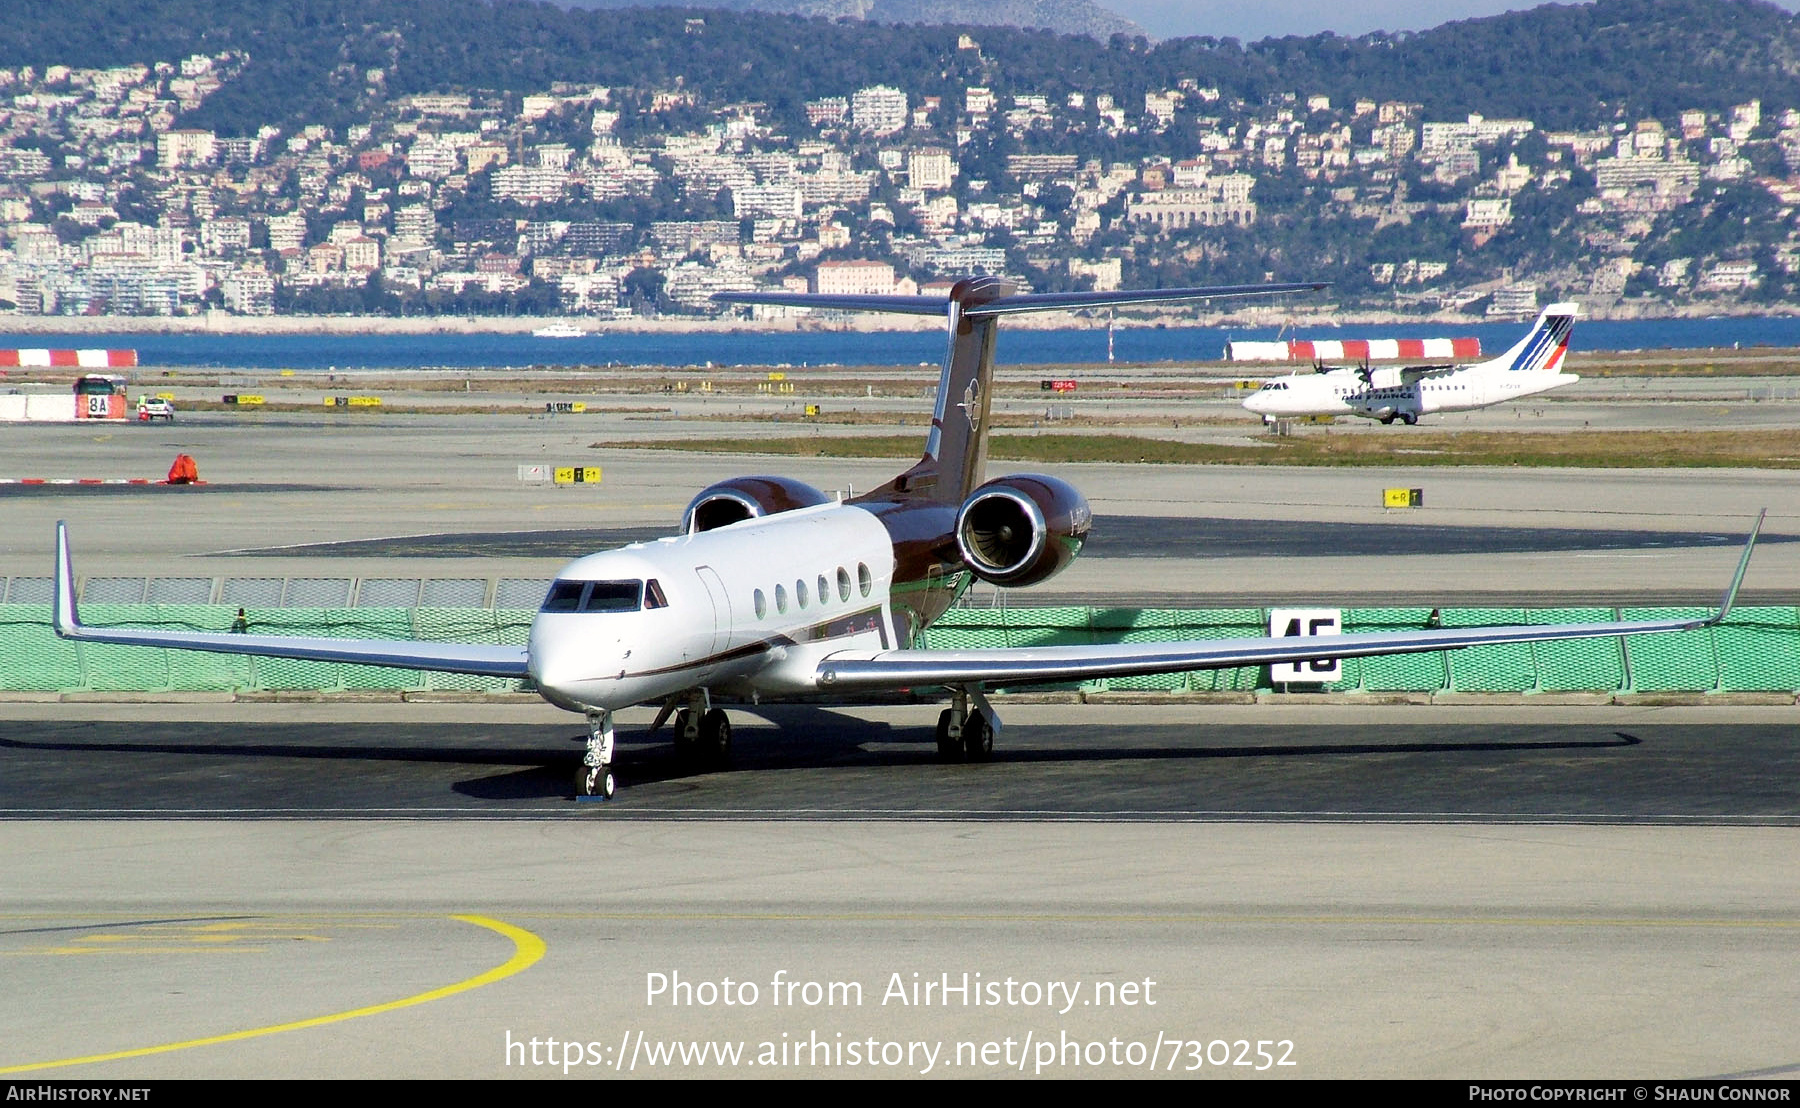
[850,671]
[444,657]
[1412,373]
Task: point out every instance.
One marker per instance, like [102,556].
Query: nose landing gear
[594,779]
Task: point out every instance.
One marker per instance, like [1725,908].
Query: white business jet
[1387,393]
[774,589]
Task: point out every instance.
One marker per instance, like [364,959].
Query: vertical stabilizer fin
[1543,347]
[958,439]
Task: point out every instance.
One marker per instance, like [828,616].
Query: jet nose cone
[559,665]
[564,682]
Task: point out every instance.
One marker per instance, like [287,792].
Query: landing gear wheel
[715,736]
[1408,418]
[1386,419]
[594,777]
[594,781]
[977,738]
[949,748]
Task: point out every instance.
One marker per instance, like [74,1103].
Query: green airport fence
[33,659]
[1756,650]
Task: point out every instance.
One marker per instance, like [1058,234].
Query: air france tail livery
[774,589]
[1532,366]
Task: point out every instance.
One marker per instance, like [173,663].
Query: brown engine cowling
[744,498]
[1021,529]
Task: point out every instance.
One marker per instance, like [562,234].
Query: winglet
[1737,578]
[63,615]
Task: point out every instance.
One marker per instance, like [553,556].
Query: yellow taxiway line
[527,949]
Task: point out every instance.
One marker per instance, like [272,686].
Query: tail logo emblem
[971,411]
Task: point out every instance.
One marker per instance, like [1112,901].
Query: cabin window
[762,605]
[780,599]
[824,589]
[863,579]
[800,593]
[653,595]
[843,584]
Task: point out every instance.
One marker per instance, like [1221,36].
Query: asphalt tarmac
[403,890]
[1253,892]
[1055,761]
[441,496]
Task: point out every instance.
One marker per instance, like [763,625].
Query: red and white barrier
[93,481]
[58,407]
[79,481]
[72,359]
[1355,350]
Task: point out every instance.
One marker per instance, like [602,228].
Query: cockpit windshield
[595,596]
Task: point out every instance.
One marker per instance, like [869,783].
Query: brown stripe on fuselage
[838,627]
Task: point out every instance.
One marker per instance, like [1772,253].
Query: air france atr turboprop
[1387,393]
[775,589]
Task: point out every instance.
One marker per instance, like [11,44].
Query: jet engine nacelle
[1021,529]
[744,498]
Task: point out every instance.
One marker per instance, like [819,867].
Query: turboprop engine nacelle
[744,498]
[1021,529]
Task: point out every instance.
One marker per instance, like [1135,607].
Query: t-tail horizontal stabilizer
[991,296]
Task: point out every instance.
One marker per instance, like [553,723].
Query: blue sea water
[821,348]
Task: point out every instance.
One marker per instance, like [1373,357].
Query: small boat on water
[559,331]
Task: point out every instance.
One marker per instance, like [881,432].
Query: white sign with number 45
[1308,622]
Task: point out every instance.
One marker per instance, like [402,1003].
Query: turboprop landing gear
[967,735]
[594,780]
[1409,418]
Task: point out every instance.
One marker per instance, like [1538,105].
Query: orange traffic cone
[184,471]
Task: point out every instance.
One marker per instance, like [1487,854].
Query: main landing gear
[964,735]
[702,732]
[594,780]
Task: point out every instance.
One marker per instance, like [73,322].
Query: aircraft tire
[977,738]
[949,749]
[715,736]
[594,781]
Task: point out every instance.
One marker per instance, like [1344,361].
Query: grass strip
[1777,449]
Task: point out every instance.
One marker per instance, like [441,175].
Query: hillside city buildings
[473,202]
